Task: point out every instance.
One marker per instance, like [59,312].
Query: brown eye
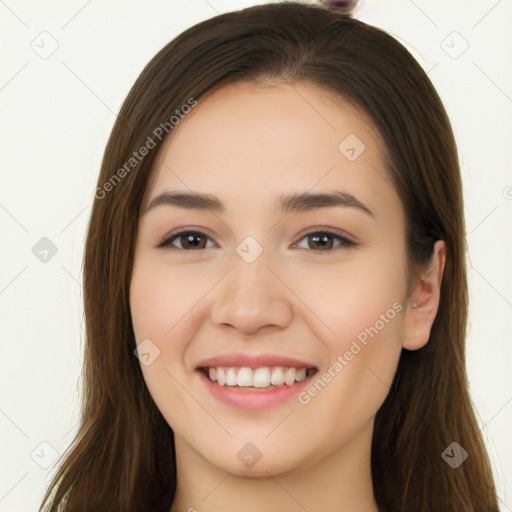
[320,241]
[323,241]
[189,240]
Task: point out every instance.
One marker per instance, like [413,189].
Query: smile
[253,389]
[257,379]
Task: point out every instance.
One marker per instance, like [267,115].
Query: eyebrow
[297,202]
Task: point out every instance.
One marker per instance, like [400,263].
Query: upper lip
[246,359]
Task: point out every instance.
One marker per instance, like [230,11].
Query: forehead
[245,142]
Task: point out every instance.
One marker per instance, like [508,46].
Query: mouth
[254,381]
[263,378]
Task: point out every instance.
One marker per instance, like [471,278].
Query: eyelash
[344,242]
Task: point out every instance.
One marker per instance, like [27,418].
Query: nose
[252,296]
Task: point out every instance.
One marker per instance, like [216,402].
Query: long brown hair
[122,457]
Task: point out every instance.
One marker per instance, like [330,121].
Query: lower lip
[254,400]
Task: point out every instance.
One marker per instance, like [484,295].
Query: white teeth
[262,377]
[221,378]
[231,379]
[245,377]
[277,378]
[289,376]
[300,374]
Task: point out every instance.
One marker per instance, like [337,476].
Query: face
[259,284]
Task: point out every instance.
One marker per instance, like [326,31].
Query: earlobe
[423,302]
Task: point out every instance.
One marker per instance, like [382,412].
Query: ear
[423,301]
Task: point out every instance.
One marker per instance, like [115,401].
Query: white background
[56,115]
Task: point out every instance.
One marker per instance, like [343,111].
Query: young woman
[275,285]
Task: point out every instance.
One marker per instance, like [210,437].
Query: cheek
[151,303]
[160,298]
[363,356]
[159,312]
[351,296]
[362,307]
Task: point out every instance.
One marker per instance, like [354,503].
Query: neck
[341,482]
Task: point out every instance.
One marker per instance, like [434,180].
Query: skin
[246,143]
